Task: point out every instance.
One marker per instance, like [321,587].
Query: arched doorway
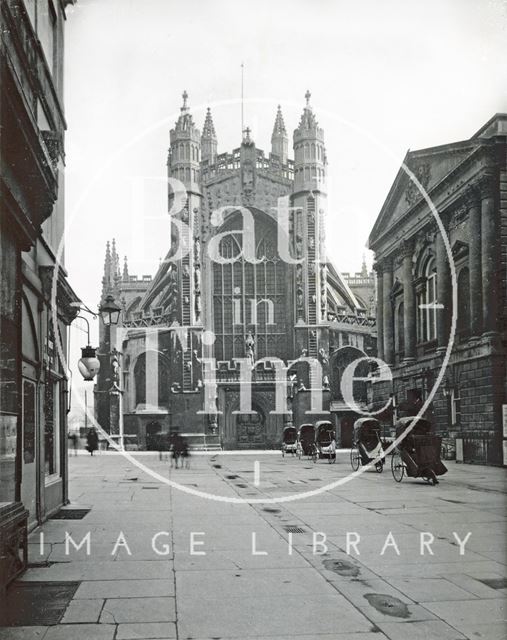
[153,429]
[346,432]
[251,430]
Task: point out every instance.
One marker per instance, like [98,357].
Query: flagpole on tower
[242,100]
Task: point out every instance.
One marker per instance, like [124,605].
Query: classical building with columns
[466,184]
[217,315]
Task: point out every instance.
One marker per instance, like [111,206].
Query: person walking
[73,439]
[185,453]
[92,441]
[177,449]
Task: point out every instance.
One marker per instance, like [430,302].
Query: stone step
[203,441]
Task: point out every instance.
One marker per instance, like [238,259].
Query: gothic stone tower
[232,297]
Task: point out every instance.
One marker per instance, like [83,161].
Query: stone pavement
[297,583]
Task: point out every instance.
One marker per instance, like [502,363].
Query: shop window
[52,429]
[28,421]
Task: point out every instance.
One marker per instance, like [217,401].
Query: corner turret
[185,149]
[279,139]
[209,139]
[310,162]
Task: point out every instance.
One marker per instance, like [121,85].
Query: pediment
[429,167]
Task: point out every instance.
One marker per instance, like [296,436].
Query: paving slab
[83,611]
[250,583]
[422,630]
[369,635]
[81,632]
[22,633]
[93,570]
[429,589]
[287,615]
[487,631]
[462,615]
[117,610]
[124,588]
[151,630]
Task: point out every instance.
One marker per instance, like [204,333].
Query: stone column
[409,310]
[443,291]
[489,262]
[379,311]
[387,325]
[474,260]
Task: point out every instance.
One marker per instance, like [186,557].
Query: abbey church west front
[244,298]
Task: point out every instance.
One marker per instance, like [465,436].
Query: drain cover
[292,528]
[38,603]
[70,514]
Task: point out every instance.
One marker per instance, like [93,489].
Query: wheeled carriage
[289,441]
[306,442]
[367,446]
[325,439]
[418,454]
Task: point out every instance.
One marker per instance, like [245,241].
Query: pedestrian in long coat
[92,441]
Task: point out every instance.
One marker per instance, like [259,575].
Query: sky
[385,76]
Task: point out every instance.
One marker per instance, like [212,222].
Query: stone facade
[362,285]
[272,309]
[425,299]
[33,376]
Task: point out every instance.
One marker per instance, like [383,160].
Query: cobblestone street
[166,564]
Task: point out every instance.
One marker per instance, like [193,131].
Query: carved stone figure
[249,348]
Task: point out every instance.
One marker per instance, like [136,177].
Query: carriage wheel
[397,467]
[332,458]
[355,458]
[430,477]
[379,466]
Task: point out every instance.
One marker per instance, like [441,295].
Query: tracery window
[161,372]
[250,298]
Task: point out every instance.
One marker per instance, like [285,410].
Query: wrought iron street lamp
[109,311]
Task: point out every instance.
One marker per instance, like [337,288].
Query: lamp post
[109,313]
[448,392]
[89,364]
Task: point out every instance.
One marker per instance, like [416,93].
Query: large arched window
[250,298]
[146,371]
[463,319]
[427,302]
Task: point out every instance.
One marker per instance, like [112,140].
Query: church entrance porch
[257,429]
[251,430]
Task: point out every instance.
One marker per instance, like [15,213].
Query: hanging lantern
[109,312]
[89,364]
